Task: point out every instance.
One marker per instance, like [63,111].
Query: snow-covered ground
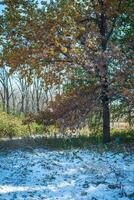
[66,175]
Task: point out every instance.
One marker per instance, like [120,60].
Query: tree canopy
[84,46]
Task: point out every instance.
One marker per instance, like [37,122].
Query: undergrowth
[12,126]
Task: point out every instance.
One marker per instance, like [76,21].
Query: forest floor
[66,175]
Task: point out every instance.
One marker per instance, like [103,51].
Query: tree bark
[129,118]
[102,24]
[106,113]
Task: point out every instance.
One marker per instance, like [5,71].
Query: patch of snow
[66,175]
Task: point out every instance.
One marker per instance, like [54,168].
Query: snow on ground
[66,175]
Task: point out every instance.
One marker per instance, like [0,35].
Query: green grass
[123,136]
[119,143]
[83,141]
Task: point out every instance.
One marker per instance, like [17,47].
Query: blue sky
[1,8]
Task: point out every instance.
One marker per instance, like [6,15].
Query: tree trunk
[106,119]
[105,110]
[7,100]
[22,103]
[103,29]
[129,118]
[37,101]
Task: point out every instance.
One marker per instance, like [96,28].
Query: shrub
[11,126]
